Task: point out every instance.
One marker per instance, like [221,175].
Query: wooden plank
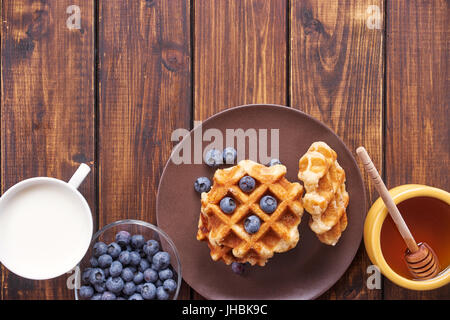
[417,89]
[337,77]
[47,110]
[239,55]
[144,94]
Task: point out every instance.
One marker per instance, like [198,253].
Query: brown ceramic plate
[304,272]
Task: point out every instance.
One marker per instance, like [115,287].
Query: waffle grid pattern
[225,233]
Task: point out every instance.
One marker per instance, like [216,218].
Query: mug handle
[79,175]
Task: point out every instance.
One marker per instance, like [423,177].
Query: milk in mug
[45,228]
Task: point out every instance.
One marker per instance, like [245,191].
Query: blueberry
[268,204]
[170,285]
[114,284]
[136,296]
[151,247]
[93,262]
[148,291]
[202,184]
[247,184]
[161,294]
[135,258]
[165,274]
[116,269]
[129,248]
[141,252]
[137,241]
[101,287]
[150,275]
[213,158]
[114,250]
[97,276]
[139,287]
[129,288]
[123,238]
[229,155]
[124,258]
[138,277]
[274,162]
[161,260]
[85,275]
[252,224]
[108,296]
[237,267]
[144,265]
[121,298]
[228,205]
[158,283]
[99,249]
[127,274]
[86,292]
[106,271]
[97,296]
[104,261]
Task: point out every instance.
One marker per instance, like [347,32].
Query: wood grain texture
[145,94]
[418,111]
[47,110]
[239,55]
[337,77]
[332,68]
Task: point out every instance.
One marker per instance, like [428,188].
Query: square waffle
[326,198]
[225,233]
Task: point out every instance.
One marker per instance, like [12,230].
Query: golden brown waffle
[326,198]
[225,234]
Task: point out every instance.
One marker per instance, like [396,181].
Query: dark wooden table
[112,92]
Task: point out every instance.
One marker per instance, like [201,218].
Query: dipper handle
[387,199]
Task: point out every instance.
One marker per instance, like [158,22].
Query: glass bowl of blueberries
[130,260]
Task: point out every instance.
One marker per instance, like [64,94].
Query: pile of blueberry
[128,269]
[268,204]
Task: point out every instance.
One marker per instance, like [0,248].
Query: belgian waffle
[326,198]
[225,234]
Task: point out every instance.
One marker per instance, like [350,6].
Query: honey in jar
[429,221]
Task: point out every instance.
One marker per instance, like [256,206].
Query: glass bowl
[107,235]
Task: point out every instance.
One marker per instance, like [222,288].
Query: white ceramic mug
[45,226]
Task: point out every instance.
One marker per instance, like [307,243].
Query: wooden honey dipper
[421,260]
